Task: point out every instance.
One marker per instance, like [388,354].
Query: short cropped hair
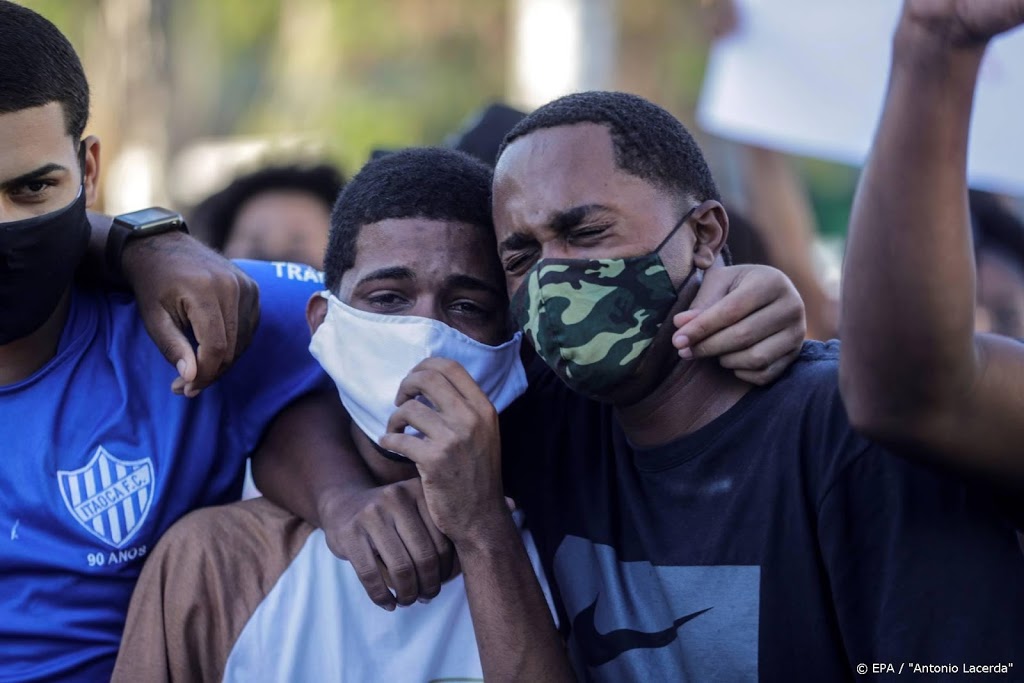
[649,142]
[213,219]
[38,66]
[423,182]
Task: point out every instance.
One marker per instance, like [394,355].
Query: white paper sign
[809,76]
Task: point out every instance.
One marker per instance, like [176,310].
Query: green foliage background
[364,74]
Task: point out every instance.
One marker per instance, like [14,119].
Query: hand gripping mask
[369,354]
[591,320]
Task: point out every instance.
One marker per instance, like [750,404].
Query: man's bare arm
[459,460]
[913,373]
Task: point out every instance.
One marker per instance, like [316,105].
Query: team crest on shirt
[109,497]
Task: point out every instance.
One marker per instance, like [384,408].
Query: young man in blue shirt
[100,457]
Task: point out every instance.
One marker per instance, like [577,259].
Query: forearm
[908,294]
[514,629]
[307,458]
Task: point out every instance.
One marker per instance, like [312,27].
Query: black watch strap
[138,225]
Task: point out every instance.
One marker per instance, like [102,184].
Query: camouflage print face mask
[591,320]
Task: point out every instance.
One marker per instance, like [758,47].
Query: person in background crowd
[779,209]
[999,258]
[481,134]
[914,372]
[99,457]
[745,243]
[278,213]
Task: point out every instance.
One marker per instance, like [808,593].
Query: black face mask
[38,259]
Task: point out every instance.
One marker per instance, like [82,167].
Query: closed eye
[586,233]
[516,264]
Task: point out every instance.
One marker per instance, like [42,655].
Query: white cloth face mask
[369,354]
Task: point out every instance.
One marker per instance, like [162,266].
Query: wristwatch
[136,225]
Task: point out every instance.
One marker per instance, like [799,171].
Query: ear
[91,172]
[316,311]
[711,227]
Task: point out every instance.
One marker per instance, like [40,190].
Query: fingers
[769,374]
[447,378]
[682,319]
[412,447]
[432,385]
[442,545]
[743,335]
[364,561]
[418,416]
[248,312]
[174,346]
[400,568]
[230,320]
[396,550]
[186,368]
[718,318]
[729,294]
[214,355]
[424,555]
[761,355]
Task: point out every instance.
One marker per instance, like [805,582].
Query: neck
[692,395]
[22,357]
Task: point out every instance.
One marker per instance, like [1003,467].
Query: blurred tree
[358,75]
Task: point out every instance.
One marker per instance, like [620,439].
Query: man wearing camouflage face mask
[692,525]
[592,320]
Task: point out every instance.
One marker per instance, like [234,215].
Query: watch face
[146,218]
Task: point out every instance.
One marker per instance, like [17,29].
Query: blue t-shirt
[773,543]
[100,458]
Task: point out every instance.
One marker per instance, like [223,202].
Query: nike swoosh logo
[600,648]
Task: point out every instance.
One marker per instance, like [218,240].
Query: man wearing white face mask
[248,591]
[369,354]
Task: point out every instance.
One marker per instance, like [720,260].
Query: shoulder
[213,543]
[810,387]
[284,290]
[817,365]
[282,275]
[806,402]
[119,326]
[808,390]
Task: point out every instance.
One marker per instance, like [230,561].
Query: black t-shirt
[773,543]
